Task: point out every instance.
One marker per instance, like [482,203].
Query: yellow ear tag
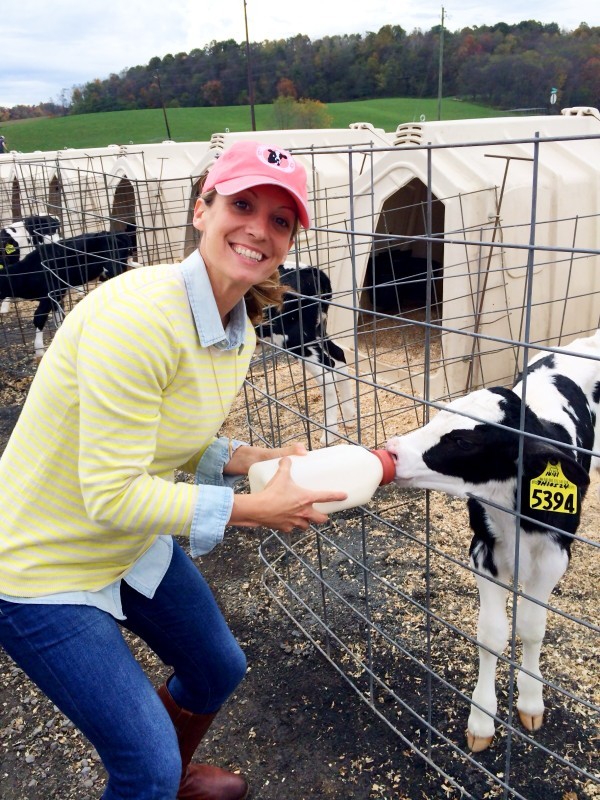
[9,249]
[551,491]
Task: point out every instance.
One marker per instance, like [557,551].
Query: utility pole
[250,85]
[162,102]
[441,65]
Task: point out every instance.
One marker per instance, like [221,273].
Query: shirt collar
[204,308]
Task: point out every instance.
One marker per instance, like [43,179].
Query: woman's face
[245,236]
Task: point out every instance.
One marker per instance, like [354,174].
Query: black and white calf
[463,452]
[47,273]
[22,238]
[300,328]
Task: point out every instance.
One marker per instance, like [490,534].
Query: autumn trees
[505,66]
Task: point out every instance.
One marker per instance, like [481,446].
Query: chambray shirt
[215,501]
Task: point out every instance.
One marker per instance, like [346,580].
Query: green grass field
[198,124]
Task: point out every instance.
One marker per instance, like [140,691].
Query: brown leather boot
[199,781]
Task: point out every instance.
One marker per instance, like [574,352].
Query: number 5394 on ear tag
[551,491]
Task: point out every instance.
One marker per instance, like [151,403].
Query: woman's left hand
[246,455]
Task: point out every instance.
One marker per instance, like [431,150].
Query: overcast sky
[47,46]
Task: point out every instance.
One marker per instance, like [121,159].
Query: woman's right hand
[282,504]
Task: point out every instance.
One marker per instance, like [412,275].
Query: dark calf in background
[48,273]
[300,328]
[462,452]
[21,238]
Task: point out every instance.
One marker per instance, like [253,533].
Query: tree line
[504,66]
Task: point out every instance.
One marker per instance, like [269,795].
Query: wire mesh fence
[455,252]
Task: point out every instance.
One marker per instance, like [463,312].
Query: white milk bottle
[345,468]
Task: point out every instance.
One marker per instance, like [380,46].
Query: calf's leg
[343,382]
[40,318]
[492,633]
[325,379]
[345,390]
[547,570]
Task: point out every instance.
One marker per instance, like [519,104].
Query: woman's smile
[247,253]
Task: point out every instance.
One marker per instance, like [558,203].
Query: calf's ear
[537,455]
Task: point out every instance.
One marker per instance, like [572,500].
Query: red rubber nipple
[388,463]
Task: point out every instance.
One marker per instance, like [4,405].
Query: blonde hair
[267,293]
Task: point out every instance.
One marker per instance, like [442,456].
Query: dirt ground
[294,727]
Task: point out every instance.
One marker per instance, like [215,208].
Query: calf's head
[21,238]
[42,228]
[462,450]
[13,241]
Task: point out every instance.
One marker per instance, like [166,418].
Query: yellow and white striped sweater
[124,395]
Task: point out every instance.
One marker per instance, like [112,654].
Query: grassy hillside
[198,124]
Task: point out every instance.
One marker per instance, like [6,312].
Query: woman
[137,382]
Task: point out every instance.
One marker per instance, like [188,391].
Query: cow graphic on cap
[276,158]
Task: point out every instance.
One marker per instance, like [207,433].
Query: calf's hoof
[531,722]
[478,743]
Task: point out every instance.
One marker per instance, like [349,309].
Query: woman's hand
[243,458]
[282,504]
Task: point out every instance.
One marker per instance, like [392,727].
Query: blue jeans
[78,657]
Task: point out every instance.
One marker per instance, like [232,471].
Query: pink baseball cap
[247,164]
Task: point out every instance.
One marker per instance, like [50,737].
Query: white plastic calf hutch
[110,188]
[508,198]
